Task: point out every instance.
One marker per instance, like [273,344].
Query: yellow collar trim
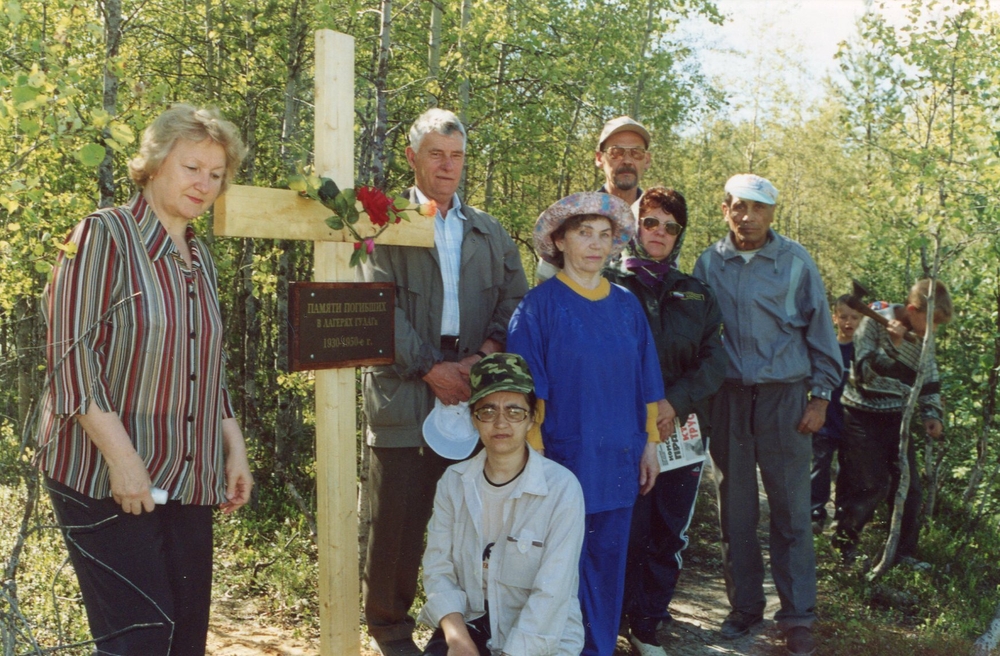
[602,291]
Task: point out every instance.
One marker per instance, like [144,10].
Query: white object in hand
[159,496]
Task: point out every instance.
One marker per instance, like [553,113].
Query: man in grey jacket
[784,363]
[453,303]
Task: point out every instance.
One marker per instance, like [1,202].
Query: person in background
[623,157]
[829,438]
[882,375]
[687,329]
[783,367]
[597,377]
[501,569]
[136,403]
[453,303]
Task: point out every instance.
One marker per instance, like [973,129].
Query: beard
[626,178]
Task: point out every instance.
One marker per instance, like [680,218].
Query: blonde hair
[183,121]
[942,298]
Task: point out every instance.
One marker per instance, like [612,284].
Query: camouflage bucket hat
[500,372]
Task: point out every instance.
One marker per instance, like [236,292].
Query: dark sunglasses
[651,223]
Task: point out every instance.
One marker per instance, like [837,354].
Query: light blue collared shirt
[448,232]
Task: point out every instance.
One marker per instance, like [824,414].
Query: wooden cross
[283,214]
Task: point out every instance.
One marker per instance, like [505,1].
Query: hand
[649,469]
[665,415]
[814,416]
[896,330]
[934,428]
[130,485]
[449,381]
[489,347]
[239,480]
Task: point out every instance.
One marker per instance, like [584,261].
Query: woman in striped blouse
[137,438]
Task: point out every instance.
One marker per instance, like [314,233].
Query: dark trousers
[871,451]
[146,579]
[403,482]
[479,631]
[824,447]
[755,426]
[660,521]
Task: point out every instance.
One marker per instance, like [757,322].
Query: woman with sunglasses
[503,545]
[686,325]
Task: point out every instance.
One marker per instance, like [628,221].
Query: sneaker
[913,563]
[645,648]
[738,624]
[799,641]
[402,647]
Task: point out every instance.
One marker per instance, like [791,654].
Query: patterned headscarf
[639,262]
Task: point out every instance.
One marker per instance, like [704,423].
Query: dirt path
[699,606]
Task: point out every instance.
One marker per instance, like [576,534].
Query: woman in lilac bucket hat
[597,379]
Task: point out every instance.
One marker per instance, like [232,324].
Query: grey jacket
[491,284]
[777,322]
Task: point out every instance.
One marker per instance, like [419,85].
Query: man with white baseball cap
[623,155]
[784,363]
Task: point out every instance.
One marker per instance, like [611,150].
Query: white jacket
[534,568]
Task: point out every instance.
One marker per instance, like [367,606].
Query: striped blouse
[131,329]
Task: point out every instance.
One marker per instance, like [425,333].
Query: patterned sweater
[882,374]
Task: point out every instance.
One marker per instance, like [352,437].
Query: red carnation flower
[376,205]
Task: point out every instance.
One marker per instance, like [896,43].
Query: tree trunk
[463,89]
[564,180]
[28,334]
[926,353]
[641,75]
[463,42]
[501,79]
[381,99]
[112,42]
[434,51]
[989,408]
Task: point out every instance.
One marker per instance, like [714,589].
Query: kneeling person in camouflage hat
[501,570]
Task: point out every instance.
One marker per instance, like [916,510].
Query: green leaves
[91,155]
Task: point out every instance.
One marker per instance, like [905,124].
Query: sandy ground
[699,606]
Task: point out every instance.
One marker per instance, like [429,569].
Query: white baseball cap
[752,187]
[449,431]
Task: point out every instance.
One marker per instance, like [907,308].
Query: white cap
[752,187]
[448,430]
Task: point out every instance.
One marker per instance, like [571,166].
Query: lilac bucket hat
[584,202]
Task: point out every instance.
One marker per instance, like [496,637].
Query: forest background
[893,167]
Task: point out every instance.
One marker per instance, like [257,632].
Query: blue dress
[594,363]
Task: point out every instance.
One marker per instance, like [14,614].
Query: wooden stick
[858,306]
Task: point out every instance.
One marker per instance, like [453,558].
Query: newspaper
[684,447]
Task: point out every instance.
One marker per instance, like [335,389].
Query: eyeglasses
[514,414]
[617,152]
[651,223]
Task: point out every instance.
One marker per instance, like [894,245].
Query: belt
[449,342]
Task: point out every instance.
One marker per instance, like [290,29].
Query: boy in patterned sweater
[882,375]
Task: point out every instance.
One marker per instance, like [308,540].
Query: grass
[940,611]
[266,572]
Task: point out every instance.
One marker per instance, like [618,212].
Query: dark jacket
[491,284]
[687,327]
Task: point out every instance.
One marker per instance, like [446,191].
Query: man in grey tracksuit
[784,363]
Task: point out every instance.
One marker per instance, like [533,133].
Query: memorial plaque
[341,324]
